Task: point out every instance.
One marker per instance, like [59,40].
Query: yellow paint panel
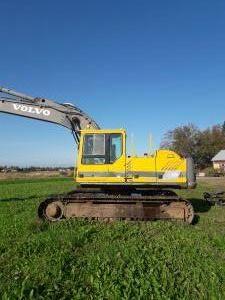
[164,167]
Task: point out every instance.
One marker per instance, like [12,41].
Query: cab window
[94,149]
[101,149]
[115,147]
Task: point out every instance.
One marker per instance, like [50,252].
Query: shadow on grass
[15,199]
[200,205]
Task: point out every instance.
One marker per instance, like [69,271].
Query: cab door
[117,157]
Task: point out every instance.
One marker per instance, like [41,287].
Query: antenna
[132,144]
[151,144]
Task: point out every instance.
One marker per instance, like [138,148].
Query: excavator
[110,185]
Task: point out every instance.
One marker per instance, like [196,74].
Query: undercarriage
[96,204]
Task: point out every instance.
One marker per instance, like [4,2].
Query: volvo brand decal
[32,110]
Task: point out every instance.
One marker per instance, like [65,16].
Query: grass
[79,259]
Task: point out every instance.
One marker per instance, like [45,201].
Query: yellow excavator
[111,184]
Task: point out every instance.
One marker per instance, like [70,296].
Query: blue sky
[147,66]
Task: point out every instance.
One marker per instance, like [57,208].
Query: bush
[211,172]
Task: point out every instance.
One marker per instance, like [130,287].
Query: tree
[223,127]
[182,140]
[188,140]
[210,142]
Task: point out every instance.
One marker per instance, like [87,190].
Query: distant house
[219,160]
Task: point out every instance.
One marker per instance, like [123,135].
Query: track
[140,206]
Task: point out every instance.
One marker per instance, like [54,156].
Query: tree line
[202,145]
[32,168]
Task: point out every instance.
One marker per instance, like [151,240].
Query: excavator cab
[102,156]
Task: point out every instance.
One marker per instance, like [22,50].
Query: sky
[147,66]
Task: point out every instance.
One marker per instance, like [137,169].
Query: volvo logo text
[32,110]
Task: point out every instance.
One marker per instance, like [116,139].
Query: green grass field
[79,259]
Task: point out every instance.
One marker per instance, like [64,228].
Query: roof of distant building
[219,156]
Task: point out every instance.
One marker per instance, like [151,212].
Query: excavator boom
[42,109]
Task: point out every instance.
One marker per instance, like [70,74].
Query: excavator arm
[42,109]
